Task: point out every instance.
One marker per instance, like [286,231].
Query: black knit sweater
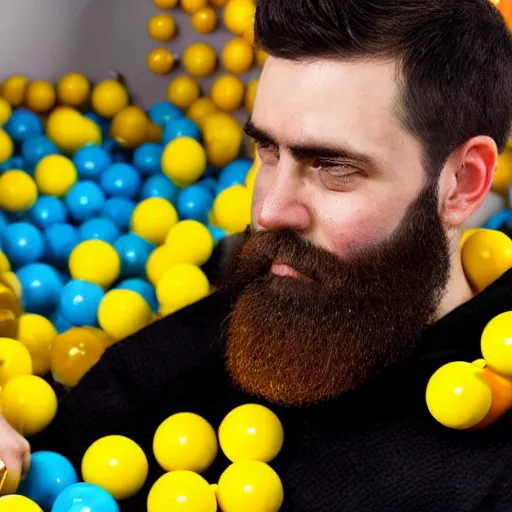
[376,449]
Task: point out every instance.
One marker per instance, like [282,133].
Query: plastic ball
[218,3]
[16,360]
[23,125]
[238,15]
[84,497]
[129,126]
[84,200]
[17,503]
[228,93]
[5,264]
[60,323]
[234,174]
[120,210]
[200,60]
[37,334]
[134,252]
[200,109]
[162,27]
[18,191]
[192,6]
[48,210]
[22,243]
[223,138]
[6,146]
[99,228]
[238,56]
[109,97]
[104,124]
[117,464]
[184,161]
[194,203]
[60,240]
[79,302]
[55,175]
[73,89]
[160,260]
[153,218]
[232,209]
[183,91]
[120,180]
[13,89]
[250,485]
[182,285]
[5,111]
[40,96]
[205,20]
[248,35]
[181,128]
[250,179]
[91,161]
[33,150]
[153,133]
[122,313]
[217,233]
[165,4]
[191,241]
[250,95]
[496,345]
[143,288]
[147,157]
[261,58]
[502,178]
[74,353]
[209,184]
[160,61]
[159,186]
[486,255]
[163,112]
[185,491]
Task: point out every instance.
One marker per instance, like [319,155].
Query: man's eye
[267,151]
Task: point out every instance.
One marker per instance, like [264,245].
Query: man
[378,124]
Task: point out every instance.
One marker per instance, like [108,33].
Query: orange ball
[160,61]
[261,57]
[218,3]
[505,7]
[238,56]
[40,96]
[205,20]
[165,4]
[162,28]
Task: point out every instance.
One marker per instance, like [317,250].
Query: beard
[300,341]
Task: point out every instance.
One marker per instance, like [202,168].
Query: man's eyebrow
[258,134]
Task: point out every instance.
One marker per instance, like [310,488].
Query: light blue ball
[217,233]
[3,221]
[195,202]
[233,174]
[121,180]
[181,127]
[79,302]
[100,228]
[84,200]
[59,322]
[41,286]
[23,125]
[23,243]
[210,184]
[159,186]
[85,497]
[119,209]
[163,112]
[144,289]
[148,157]
[61,239]
[91,161]
[35,149]
[50,474]
[117,152]
[48,210]
[134,253]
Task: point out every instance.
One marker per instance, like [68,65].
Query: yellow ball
[261,57]
[218,3]
[184,161]
[248,35]
[129,127]
[13,89]
[250,179]
[15,360]
[250,96]
[466,234]
[238,56]
[486,255]
[185,441]
[6,146]
[37,333]
[238,15]
[40,96]
[29,404]
[183,91]
[153,218]
[17,503]
[201,108]
[182,285]
[95,261]
[458,395]
[109,97]
[160,61]
[5,265]
[250,485]
[223,138]
[165,4]
[159,262]
[73,89]
[117,464]
[55,175]
[228,93]
[496,344]
[18,192]
[5,111]
[200,60]
[503,174]
[232,209]
[192,6]
[205,20]
[154,133]
[191,241]
[162,27]
[251,432]
[182,491]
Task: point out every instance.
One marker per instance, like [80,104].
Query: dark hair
[454,56]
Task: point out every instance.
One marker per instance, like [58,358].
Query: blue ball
[35,149]
[159,186]
[59,322]
[23,125]
[84,200]
[233,174]
[195,202]
[85,497]
[148,157]
[61,239]
[144,289]
[100,228]
[3,221]
[79,302]
[134,253]
[210,184]
[120,180]
[181,127]
[103,123]
[163,112]
[217,233]
[118,153]
[41,286]
[119,209]
[23,243]
[50,474]
[48,210]
[211,171]
[91,161]
[16,162]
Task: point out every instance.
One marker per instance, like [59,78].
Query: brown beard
[295,342]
